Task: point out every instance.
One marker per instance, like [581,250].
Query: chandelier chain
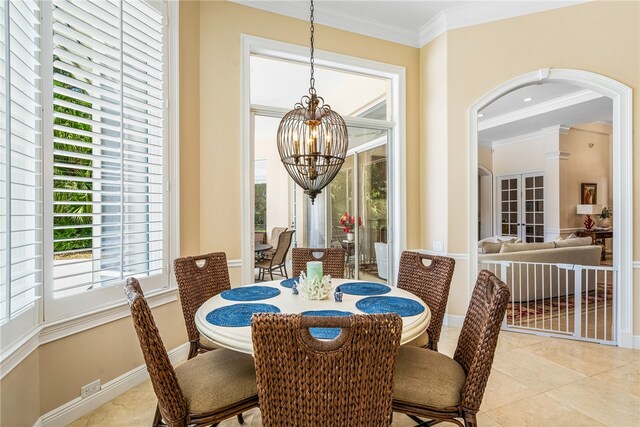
[312,80]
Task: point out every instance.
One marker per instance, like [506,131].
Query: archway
[621,95]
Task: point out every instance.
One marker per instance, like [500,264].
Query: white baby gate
[563,300]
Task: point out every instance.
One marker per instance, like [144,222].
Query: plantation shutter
[108,144]
[20,158]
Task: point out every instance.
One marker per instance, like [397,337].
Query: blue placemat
[250,293]
[325,333]
[236,315]
[364,288]
[288,283]
[381,305]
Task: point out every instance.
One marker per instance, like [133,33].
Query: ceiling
[552,104]
[279,83]
[413,23]
[539,95]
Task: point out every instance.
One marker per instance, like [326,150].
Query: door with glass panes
[357,204]
[520,206]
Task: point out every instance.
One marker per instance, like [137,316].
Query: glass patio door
[357,205]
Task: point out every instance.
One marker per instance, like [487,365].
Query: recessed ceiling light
[480,115]
[528,99]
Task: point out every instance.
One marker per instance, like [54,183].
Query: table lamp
[589,210]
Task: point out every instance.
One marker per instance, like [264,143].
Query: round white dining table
[238,338]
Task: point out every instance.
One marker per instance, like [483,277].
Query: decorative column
[554,185]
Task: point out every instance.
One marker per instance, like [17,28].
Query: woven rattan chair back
[304,382]
[479,336]
[332,260]
[284,243]
[431,283]
[171,401]
[199,278]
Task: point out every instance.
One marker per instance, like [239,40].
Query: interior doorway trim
[397,77]
[484,172]
[622,140]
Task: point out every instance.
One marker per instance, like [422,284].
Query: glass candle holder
[314,270]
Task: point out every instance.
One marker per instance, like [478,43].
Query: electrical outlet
[438,246]
[90,389]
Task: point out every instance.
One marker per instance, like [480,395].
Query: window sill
[48,332]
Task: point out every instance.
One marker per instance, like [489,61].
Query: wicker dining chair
[304,382]
[202,391]
[278,261]
[431,283]
[332,260]
[196,284]
[432,385]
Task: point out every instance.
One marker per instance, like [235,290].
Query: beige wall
[485,157]
[601,37]
[20,393]
[433,166]
[589,162]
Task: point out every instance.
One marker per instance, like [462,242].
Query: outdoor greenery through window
[72,195]
[261,207]
[108,143]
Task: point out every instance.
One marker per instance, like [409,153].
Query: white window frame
[397,135]
[43,324]
[27,320]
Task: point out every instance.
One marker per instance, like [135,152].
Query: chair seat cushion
[427,378]
[219,378]
[421,341]
[264,264]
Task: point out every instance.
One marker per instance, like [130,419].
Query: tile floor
[535,381]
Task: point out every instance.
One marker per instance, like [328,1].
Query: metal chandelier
[312,139]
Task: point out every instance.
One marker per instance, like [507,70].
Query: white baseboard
[79,407]
[453,321]
[636,342]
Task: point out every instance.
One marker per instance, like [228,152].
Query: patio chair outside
[277,262]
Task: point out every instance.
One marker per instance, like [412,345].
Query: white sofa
[531,276]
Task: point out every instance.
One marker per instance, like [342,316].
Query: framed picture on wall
[589,194]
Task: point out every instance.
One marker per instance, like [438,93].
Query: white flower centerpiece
[314,287]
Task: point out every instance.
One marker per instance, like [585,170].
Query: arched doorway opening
[621,96]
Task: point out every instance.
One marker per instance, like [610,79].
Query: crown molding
[330,18]
[449,19]
[483,12]
[551,130]
[541,108]
[432,29]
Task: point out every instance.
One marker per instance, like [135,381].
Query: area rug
[521,313]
